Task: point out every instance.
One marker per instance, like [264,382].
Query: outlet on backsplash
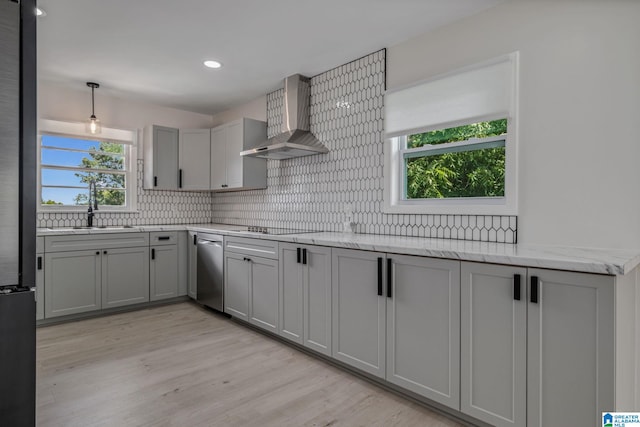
[348,225]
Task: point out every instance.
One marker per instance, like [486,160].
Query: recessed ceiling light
[212,64]
[40,12]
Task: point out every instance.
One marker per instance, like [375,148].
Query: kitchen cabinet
[161,150]
[359,310]
[251,281]
[305,295]
[125,276]
[73,282]
[537,346]
[39,278]
[229,170]
[194,159]
[192,245]
[423,326]
[85,272]
[164,268]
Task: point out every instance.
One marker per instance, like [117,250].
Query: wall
[256,109]
[579,107]
[154,206]
[318,192]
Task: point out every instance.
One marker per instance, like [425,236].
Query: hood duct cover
[295,139]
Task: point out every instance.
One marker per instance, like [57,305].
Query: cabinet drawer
[255,247]
[157,238]
[79,242]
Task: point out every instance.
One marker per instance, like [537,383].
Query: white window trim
[393,169]
[78,130]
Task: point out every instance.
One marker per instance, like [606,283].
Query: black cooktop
[276,231]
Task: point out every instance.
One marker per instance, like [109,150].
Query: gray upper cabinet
[494,343]
[161,150]
[570,345]
[305,295]
[358,310]
[230,171]
[194,159]
[125,276]
[423,327]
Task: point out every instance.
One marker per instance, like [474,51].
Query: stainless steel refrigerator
[17,212]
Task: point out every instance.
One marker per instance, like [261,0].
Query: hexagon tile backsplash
[319,192]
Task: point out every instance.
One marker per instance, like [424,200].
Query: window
[69,160]
[451,143]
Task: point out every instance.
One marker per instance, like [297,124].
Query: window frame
[78,131]
[394,200]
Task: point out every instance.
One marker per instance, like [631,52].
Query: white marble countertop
[601,261]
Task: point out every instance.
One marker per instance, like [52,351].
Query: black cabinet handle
[39,263]
[389,277]
[180,178]
[195,239]
[164,237]
[97,252]
[298,251]
[516,287]
[104,252]
[380,276]
[155,181]
[246,259]
[153,254]
[224,185]
[534,289]
[304,256]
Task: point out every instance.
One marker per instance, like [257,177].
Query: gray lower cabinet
[305,295]
[263,293]
[537,346]
[125,276]
[192,251]
[237,279]
[39,285]
[73,282]
[163,280]
[423,327]
[358,310]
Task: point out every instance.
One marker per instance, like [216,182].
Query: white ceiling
[153,50]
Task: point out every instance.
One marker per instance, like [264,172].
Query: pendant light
[93,124]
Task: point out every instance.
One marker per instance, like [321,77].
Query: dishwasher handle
[210,243]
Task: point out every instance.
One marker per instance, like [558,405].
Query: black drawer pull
[298,258]
[534,289]
[39,263]
[516,287]
[195,239]
[380,276]
[164,237]
[304,256]
[97,252]
[105,252]
[153,254]
[155,181]
[389,277]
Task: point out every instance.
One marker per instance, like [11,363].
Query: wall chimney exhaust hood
[295,140]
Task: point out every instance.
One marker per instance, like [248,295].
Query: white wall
[579,143]
[61,103]
[256,109]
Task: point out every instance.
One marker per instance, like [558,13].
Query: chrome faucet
[93,191]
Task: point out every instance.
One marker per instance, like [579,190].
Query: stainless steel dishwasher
[210,277]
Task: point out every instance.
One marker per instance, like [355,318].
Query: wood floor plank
[181,365]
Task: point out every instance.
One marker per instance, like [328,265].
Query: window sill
[97,213]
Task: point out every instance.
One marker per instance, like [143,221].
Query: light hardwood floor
[180,365]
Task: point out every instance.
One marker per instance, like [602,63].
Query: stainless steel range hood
[295,140]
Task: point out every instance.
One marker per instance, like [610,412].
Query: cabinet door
[358,310]
[237,276]
[73,282]
[234,144]
[125,276]
[39,286]
[192,244]
[570,349]
[165,158]
[317,298]
[291,300]
[423,327]
[194,159]
[264,293]
[164,272]
[218,158]
[494,343]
